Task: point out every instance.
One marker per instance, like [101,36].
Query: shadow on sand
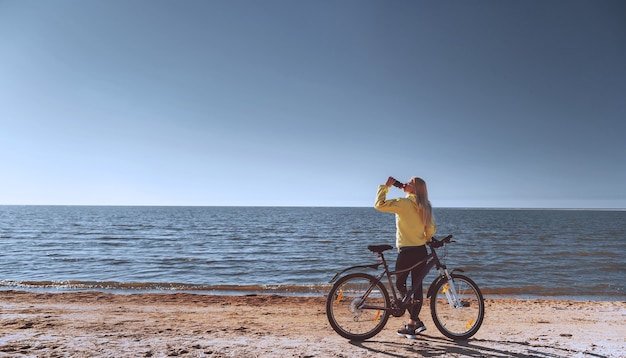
[428,346]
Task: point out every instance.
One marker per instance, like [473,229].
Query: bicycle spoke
[458,319]
[352,312]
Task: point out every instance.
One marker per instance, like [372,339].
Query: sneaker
[411,331]
[408,331]
[419,327]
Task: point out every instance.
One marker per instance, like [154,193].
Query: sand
[96,324]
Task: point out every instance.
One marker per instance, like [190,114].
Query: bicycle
[358,305]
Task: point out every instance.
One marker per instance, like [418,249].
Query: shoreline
[291,290]
[302,291]
[105,324]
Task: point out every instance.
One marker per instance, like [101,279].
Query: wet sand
[96,324]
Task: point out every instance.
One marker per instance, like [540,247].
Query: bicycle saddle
[379,248]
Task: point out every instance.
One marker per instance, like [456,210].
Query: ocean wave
[609,292]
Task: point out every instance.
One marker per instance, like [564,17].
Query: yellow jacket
[410,230]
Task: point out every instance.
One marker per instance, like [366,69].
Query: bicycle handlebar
[434,243]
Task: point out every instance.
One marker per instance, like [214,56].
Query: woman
[414,227]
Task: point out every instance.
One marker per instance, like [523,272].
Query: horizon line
[321,206]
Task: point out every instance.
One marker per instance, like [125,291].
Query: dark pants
[407,257]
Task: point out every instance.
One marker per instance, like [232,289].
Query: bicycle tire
[346,318]
[458,323]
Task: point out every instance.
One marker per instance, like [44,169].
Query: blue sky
[312,103]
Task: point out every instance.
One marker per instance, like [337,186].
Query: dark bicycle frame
[432,260]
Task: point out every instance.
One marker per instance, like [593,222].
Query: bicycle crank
[396,311]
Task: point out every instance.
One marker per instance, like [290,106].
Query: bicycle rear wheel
[458,322]
[353,312]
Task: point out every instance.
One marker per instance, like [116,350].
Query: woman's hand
[390,181]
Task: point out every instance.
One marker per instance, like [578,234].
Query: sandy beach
[96,324]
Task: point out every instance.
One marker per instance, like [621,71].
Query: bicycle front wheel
[358,306]
[460,321]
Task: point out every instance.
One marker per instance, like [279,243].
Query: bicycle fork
[450,291]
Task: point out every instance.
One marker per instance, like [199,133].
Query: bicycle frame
[431,260]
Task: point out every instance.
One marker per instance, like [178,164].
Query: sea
[518,253]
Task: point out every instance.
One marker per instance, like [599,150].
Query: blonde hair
[421,194]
